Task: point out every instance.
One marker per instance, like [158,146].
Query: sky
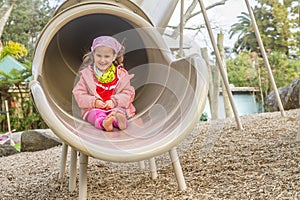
[222,16]
[227,14]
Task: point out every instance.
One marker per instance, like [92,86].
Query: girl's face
[103,57]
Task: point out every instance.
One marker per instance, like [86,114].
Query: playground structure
[170,94]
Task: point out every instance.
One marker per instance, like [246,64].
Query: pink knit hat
[106,41]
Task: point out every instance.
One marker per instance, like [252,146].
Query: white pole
[73,167]
[153,169]
[181,29]
[142,165]
[8,124]
[263,52]
[63,160]
[221,64]
[83,176]
[7,115]
[177,169]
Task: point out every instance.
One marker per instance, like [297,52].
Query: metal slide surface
[170,94]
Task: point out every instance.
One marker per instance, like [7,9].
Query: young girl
[103,92]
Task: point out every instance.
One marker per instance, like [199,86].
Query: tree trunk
[5,11]
[215,95]
[227,106]
[204,54]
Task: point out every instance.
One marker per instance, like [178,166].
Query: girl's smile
[103,57]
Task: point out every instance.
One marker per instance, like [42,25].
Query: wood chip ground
[219,161]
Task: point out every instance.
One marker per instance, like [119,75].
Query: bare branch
[188,15]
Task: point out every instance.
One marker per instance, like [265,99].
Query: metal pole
[63,161]
[177,169]
[83,176]
[142,165]
[153,168]
[263,52]
[73,167]
[181,29]
[221,65]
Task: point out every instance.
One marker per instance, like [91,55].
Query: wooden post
[263,52]
[213,102]
[221,68]
[227,107]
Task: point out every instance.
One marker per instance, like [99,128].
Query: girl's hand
[100,104]
[109,104]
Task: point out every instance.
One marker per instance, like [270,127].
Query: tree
[241,71]
[5,11]
[274,25]
[246,38]
[26,21]
[190,13]
[24,116]
[294,18]
[248,69]
[14,49]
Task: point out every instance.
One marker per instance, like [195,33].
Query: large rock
[7,150]
[289,95]
[36,140]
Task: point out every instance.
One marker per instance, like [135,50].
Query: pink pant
[96,117]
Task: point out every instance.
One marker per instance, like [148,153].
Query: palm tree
[246,36]
[5,11]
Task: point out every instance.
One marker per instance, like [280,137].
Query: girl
[103,92]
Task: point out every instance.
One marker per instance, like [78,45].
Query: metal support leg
[177,169]
[83,177]
[142,165]
[63,161]
[73,166]
[153,168]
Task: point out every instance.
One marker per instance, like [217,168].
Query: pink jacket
[85,91]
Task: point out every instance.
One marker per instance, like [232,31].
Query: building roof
[8,63]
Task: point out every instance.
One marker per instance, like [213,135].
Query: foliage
[240,70]
[14,49]
[23,116]
[26,21]
[27,118]
[204,117]
[248,68]
[246,38]
[277,29]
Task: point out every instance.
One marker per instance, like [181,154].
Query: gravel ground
[262,161]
